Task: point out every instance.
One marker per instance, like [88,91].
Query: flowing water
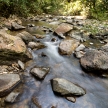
[67,67]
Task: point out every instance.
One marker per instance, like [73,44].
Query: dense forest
[94,8]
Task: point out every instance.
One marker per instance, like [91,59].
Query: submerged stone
[11,97]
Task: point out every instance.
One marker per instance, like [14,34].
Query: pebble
[91,43]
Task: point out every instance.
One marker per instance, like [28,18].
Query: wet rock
[63,29]
[11,97]
[72,99]
[25,36]
[79,51]
[67,46]
[40,72]
[38,36]
[65,87]
[21,64]
[11,48]
[79,54]
[76,35]
[29,63]
[53,40]
[15,26]
[43,54]
[80,47]
[35,101]
[30,25]
[8,82]
[36,45]
[95,61]
[105,47]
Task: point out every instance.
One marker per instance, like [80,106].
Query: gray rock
[11,97]
[40,72]
[30,25]
[65,87]
[76,35]
[105,47]
[8,82]
[80,47]
[79,54]
[72,99]
[95,61]
[16,26]
[25,36]
[21,64]
[36,45]
[68,46]
[63,28]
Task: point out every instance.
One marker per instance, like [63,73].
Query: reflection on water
[67,67]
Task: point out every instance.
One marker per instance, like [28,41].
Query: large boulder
[67,46]
[63,28]
[12,48]
[65,87]
[8,82]
[95,61]
[25,36]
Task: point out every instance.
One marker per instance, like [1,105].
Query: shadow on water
[67,67]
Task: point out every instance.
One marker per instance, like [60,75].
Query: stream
[67,67]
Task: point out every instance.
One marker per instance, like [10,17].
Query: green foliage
[95,8]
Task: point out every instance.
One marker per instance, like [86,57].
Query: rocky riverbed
[53,62]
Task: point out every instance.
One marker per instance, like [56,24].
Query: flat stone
[65,87]
[16,26]
[25,36]
[72,99]
[63,28]
[11,97]
[21,64]
[8,82]
[40,72]
[68,46]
